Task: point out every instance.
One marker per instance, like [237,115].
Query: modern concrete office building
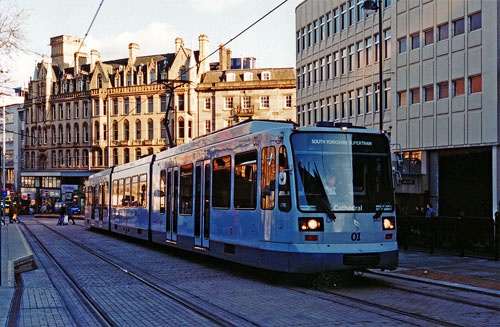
[440,88]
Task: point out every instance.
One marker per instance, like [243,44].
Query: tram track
[198,309]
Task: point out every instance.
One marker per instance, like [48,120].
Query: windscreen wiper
[378,213]
[323,199]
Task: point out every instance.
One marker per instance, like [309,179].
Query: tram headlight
[388,223]
[311,224]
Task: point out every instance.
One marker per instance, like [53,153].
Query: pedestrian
[430,213]
[62,212]
[69,212]
[15,213]
[11,214]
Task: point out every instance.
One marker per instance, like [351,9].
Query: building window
[150,104]
[163,101]
[288,101]
[359,9]
[208,126]
[96,131]
[458,27]
[429,37]
[475,84]
[126,131]
[443,32]
[377,45]
[351,103]
[53,159]
[368,51]
[61,134]
[351,12]
[190,128]
[126,156]
[181,128]
[163,129]
[368,99]
[150,130]
[137,129]
[77,133]
[309,35]
[266,76]
[415,41]
[104,132]
[414,96]
[115,131]
[402,98]
[85,158]
[328,24]
[68,133]
[402,45]
[475,22]
[343,16]
[181,102]
[96,107]
[442,89]
[54,136]
[428,93]
[137,105]
[77,158]
[115,157]
[61,112]
[350,61]
[208,104]
[387,43]
[68,110]
[68,158]
[321,28]
[85,109]
[228,103]
[264,102]
[328,67]
[458,87]
[387,94]
[246,102]
[138,154]
[126,107]
[85,133]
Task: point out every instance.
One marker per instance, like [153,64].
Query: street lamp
[371,7]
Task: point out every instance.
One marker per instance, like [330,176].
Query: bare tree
[12,19]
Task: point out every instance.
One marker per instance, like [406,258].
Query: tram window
[162,191]
[120,191]
[268,178]
[134,191]
[95,199]
[245,180]
[284,196]
[186,190]
[143,191]
[114,200]
[169,198]
[89,196]
[221,185]
[106,194]
[126,196]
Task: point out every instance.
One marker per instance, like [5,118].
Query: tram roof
[244,128]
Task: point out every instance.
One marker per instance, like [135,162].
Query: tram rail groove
[171,295]
[90,303]
[459,287]
[442,297]
[386,308]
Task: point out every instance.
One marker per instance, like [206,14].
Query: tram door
[172,203]
[202,204]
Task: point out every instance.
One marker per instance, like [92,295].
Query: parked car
[58,205]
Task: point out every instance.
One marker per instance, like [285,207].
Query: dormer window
[153,77]
[266,76]
[182,73]
[248,76]
[230,77]
[99,81]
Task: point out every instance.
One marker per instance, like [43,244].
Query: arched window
[137,129]
[115,131]
[126,155]
[39,135]
[152,75]
[99,81]
[44,135]
[77,133]
[33,136]
[68,133]
[53,159]
[54,135]
[181,128]
[77,158]
[163,129]
[106,157]
[150,151]
[138,154]
[85,158]
[61,158]
[126,131]
[190,128]
[68,158]
[85,135]
[96,131]
[150,129]
[115,157]
[61,134]
[28,136]
[33,159]
[99,157]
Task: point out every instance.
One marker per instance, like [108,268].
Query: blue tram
[262,193]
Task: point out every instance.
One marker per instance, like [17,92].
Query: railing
[464,236]
[243,112]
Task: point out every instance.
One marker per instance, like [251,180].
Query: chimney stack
[179,42]
[95,56]
[204,43]
[133,52]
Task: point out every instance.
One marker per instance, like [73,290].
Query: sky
[154,25]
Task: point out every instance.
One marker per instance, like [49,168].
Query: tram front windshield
[342,172]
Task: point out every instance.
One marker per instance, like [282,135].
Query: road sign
[4,193]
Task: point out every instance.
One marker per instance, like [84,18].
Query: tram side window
[268,178]
[186,190]
[284,196]
[126,195]
[121,188]
[134,191]
[105,199]
[221,183]
[114,200]
[245,180]
[89,196]
[95,199]
[162,191]
[143,191]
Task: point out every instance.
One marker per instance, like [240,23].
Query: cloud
[215,6]
[20,67]
[155,38]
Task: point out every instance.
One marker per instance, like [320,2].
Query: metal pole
[380,71]
[3,163]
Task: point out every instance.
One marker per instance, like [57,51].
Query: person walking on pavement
[69,212]
[15,212]
[430,212]
[62,212]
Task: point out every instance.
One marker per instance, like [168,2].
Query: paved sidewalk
[16,256]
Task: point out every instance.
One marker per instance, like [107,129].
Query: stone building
[440,88]
[84,114]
